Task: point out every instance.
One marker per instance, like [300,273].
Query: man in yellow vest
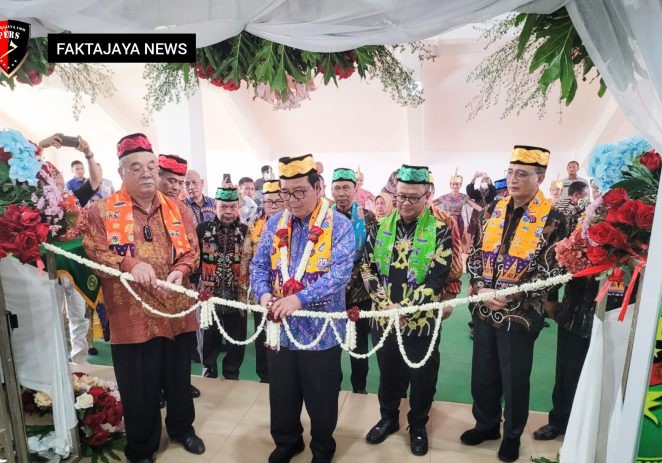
[514,244]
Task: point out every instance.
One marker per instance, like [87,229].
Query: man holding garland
[303,261]
[514,245]
[343,189]
[272,203]
[225,251]
[408,259]
[141,231]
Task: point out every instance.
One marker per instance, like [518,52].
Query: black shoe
[381,430]
[471,333]
[210,373]
[545,324]
[509,450]
[141,460]
[264,380]
[476,436]
[162,402]
[192,444]
[418,440]
[285,454]
[547,432]
[231,378]
[360,391]
[195,392]
[92,351]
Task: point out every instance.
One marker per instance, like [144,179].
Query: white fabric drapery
[322,25]
[40,355]
[596,408]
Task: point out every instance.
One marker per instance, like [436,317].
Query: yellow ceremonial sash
[320,260]
[256,233]
[522,246]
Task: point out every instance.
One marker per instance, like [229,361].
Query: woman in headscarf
[383,205]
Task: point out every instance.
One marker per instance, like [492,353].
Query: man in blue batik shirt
[311,375]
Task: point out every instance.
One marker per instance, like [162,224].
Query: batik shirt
[327,294]
[395,288]
[202,213]
[523,312]
[225,251]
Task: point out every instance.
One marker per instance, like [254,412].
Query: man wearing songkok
[285,279]
[273,204]
[343,189]
[172,171]
[225,251]
[143,232]
[514,245]
[407,262]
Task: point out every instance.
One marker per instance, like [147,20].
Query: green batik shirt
[395,288]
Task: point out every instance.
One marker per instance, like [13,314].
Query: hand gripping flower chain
[293,284]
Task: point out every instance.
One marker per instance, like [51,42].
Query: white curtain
[624,40]
[321,25]
[596,409]
[40,355]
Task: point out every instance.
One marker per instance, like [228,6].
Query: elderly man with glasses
[514,245]
[141,231]
[408,258]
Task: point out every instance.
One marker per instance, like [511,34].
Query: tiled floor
[232,417]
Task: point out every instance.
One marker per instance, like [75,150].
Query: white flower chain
[283,224]
[208,314]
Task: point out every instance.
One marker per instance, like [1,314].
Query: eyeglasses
[413,199]
[137,170]
[519,174]
[298,194]
[270,203]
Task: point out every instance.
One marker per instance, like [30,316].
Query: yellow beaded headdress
[271,186]
[530,156]
[296,167]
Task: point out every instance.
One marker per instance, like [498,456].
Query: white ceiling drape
[322,25]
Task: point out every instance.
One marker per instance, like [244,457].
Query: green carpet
[454,382]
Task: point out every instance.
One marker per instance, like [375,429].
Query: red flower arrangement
[32,208]
[21,232]
[618,227]
[100,415]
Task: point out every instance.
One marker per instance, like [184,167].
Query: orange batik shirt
[130,322]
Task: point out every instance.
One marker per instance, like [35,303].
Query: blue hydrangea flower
[608,160]
[24,169]
[23,165]
[12,141]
